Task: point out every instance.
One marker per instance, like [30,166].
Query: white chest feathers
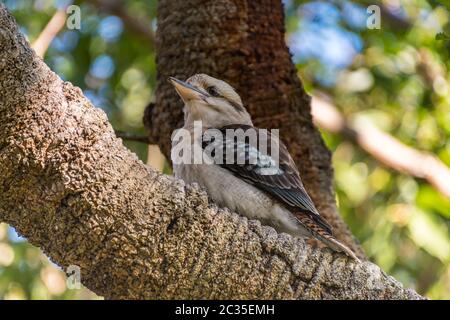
[229,191]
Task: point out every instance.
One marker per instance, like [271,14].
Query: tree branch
[47,35]
[383,147]
[132,137]
[70,186]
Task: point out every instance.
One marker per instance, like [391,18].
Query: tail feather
[334,244]
[324,235]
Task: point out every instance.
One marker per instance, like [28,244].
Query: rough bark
[242,42]
[71,187]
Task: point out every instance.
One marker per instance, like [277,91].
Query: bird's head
[210,100]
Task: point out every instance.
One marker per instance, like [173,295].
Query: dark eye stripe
[236,106]
[213,91]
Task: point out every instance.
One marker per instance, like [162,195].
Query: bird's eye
[213,91]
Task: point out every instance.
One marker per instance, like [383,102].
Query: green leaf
[426,231]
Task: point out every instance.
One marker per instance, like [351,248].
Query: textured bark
[71,187]
[242,42]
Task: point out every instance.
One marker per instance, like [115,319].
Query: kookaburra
[267,189]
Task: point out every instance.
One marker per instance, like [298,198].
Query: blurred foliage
[396,77]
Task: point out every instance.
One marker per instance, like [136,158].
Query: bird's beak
[186,91]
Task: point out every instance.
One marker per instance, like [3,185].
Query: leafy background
[396,78]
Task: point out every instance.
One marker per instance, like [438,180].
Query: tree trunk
[71,187]
[242,42]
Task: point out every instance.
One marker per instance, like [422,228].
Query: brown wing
[259,167]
